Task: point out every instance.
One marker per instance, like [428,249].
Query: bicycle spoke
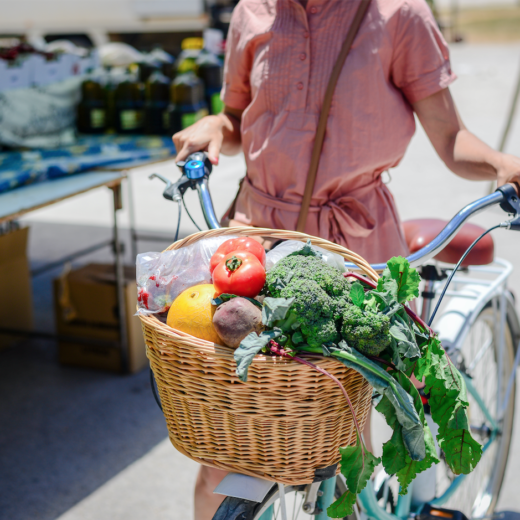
[294,506]
[278,510]
[480,355]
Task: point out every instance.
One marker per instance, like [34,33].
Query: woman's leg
[206,502]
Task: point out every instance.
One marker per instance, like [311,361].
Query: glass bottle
[129,106]
[187,101]
[92,109]
[211,70]
[187,60]
[157,98]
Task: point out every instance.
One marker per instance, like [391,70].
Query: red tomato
[237,244]
[239,273]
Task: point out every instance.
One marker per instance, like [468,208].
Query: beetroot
[235,319]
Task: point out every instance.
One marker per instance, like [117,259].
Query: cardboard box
[85,303]
[15,281]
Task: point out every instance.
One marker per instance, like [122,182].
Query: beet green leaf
[407,278]
[343,506]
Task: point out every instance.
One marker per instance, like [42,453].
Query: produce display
[305,307]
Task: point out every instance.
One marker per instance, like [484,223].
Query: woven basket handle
[324,114]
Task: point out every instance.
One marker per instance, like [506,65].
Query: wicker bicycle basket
[287,421]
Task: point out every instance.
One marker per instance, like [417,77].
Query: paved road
[83,445]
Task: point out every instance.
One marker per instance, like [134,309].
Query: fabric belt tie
[344,216]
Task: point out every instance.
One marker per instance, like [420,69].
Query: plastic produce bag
[290,246]
[161,277]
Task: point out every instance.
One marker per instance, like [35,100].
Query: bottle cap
[192,43]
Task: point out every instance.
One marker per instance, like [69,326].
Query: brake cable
[189,215]
[506,225]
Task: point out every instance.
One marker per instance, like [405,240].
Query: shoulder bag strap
[324,114]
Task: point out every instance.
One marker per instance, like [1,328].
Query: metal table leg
[120,282]
[131,212]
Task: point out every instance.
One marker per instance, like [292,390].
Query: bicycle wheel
[479,358]
[240,509]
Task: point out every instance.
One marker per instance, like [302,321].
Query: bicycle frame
[472,294]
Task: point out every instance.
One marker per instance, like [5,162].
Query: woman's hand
[508,171]
[211,134]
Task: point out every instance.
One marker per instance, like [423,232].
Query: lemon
[192,312]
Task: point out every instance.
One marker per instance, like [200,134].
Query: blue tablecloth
[22,168]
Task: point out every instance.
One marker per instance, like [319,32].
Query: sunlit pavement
[84,445]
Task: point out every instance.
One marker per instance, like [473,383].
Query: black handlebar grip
[511,202]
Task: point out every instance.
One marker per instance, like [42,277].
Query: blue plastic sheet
[22,168]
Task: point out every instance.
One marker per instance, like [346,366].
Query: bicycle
[480,330]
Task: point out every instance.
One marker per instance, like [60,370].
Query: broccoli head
[314,311]
[366,331]
[320,297]
[292,268]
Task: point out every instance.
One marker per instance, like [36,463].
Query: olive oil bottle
[157,100]
[187,59]
[92,109]
[187,101]
[210,69]
[129,106]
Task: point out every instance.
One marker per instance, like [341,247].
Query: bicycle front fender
[244,487]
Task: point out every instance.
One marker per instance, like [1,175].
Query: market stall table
[23,200]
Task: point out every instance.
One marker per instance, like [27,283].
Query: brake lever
[195,170]
[511,205]
[172,191]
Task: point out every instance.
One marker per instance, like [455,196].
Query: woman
[280,56]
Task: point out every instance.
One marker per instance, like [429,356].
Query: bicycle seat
[420,232]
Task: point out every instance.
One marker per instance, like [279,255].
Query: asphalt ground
[79,444]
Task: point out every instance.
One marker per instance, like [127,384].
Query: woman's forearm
[471,158]
[232,141]
[463,152]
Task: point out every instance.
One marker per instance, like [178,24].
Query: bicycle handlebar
[505,196]
[444,237]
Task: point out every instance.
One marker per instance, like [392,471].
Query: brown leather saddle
[420,232]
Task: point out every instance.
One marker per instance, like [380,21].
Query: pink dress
[278,64]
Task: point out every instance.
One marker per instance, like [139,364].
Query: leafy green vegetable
[461,450]
[343,506]
[275,309]
[311,307]
[386,385]
[448,405]
[357,294]
[407,278]
[307,250]
[403,337]
[225,297]
[250,346]
[357,465]
[396,456]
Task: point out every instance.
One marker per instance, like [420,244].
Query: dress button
[306,34]
[303,56]
[313,10]
[299,85]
